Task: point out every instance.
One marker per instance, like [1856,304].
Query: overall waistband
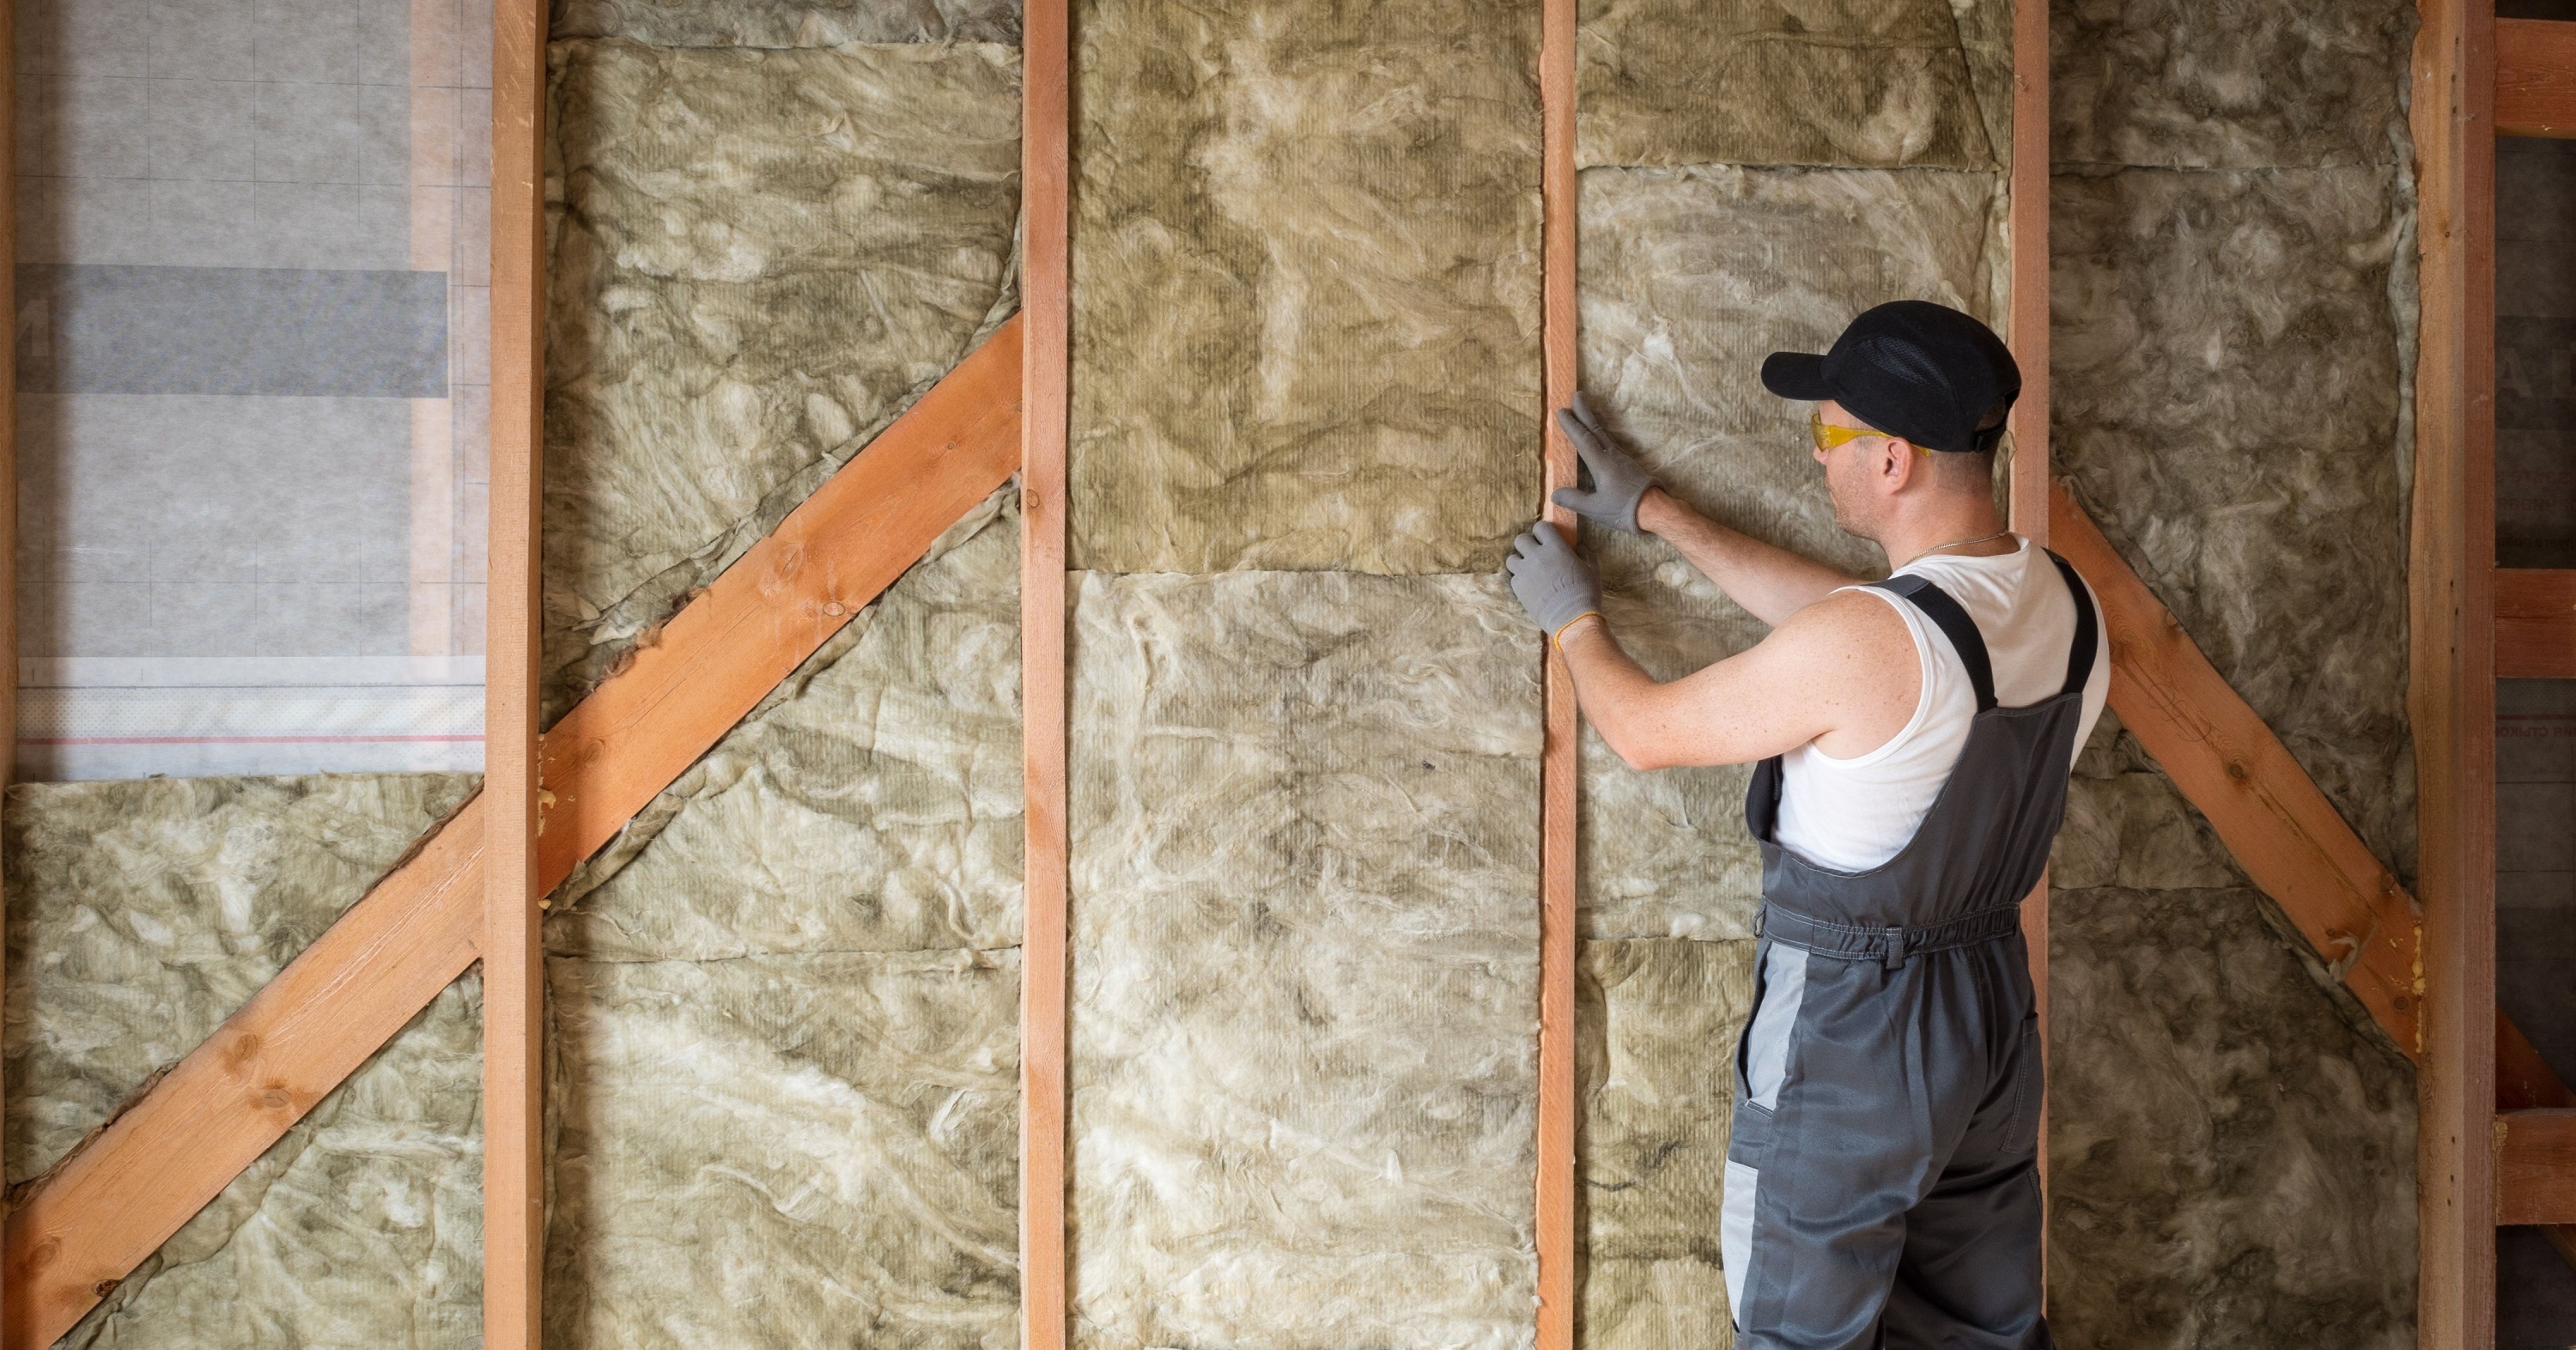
[1889,945]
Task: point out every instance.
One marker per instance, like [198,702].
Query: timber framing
[115,1201]
[2027,332]
[1560,747]
[514,1189]
[2451,670]
[1046,178]
[2535,624]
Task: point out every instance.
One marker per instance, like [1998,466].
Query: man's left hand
[1551,580]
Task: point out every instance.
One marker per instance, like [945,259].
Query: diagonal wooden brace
[113,1203]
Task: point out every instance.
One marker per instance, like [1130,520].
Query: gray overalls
[1882,1183]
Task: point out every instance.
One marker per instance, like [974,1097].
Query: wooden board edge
[2536,1168]
[1046,300]
[2027,335]
[513,965]
[1557,1215]
[111,1204]
[2450,675]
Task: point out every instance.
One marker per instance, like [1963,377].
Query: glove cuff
[1558,637]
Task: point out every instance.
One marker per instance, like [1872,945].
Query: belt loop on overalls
[1894,956]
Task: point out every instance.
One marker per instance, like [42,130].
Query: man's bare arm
[1772,583]
[1842,673]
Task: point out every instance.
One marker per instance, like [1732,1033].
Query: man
[1915,738]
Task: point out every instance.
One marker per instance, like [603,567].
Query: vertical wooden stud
[1557,1106]
[2451,675]
[8,422]
[2027,330]
[1045,296]
[513,969]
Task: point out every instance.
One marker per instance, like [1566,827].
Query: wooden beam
[8,437]
[514,1181]
[2535,624]
[2535,77]
[2028,333]
[2451,618]
[1558,1107]
[2536,1167]
[1046,284]
[115,1201]
[2283,831]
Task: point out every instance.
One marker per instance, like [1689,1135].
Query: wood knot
[833,608]
[275,1098]
[245,1047]
[44,1253]
[105,1287]
[2400,1002]
[2236,771]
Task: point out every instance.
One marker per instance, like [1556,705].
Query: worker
[1914,738]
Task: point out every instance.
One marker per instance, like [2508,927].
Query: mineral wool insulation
[782,1094]
[2233,348]
[141,915]
[1305,710]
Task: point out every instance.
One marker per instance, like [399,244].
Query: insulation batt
[785,1044]
[1305,285]
[2229,399]
[2175,84]
[2230,1139]
[1304,828]
[141,915]
[787,23]
[758,259]
[1656,1019]
[1857,83]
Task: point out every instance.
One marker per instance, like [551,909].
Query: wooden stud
[2536,1167]
[2524,1081]
[8,443]
[2535,77]
[2028,333]
[2282,830]
[1558,1109]
[2451,670]
[114,1201]
[514,1224]
[1046,179]
[2535,624]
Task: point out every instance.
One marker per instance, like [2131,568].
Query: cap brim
[1797,375]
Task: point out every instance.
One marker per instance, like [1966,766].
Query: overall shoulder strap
[1954,624]
[2079,658]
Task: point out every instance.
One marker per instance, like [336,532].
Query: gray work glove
[1619,482]
[1551,580]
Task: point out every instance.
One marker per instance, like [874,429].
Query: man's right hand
[1619,482]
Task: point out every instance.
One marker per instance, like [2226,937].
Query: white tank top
[1853,814]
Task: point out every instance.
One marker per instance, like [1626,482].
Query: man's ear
[1897,466]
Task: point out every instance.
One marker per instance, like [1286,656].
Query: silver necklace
[1955,543]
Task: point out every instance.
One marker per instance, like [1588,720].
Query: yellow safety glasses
[1827,435]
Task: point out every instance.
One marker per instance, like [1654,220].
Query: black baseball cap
[1909,368]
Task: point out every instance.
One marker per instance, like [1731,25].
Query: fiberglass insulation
[1304,798]
[1305,866]
[2233,314]
[758,259]
[783,1086]
[1305,285]
[141,915]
